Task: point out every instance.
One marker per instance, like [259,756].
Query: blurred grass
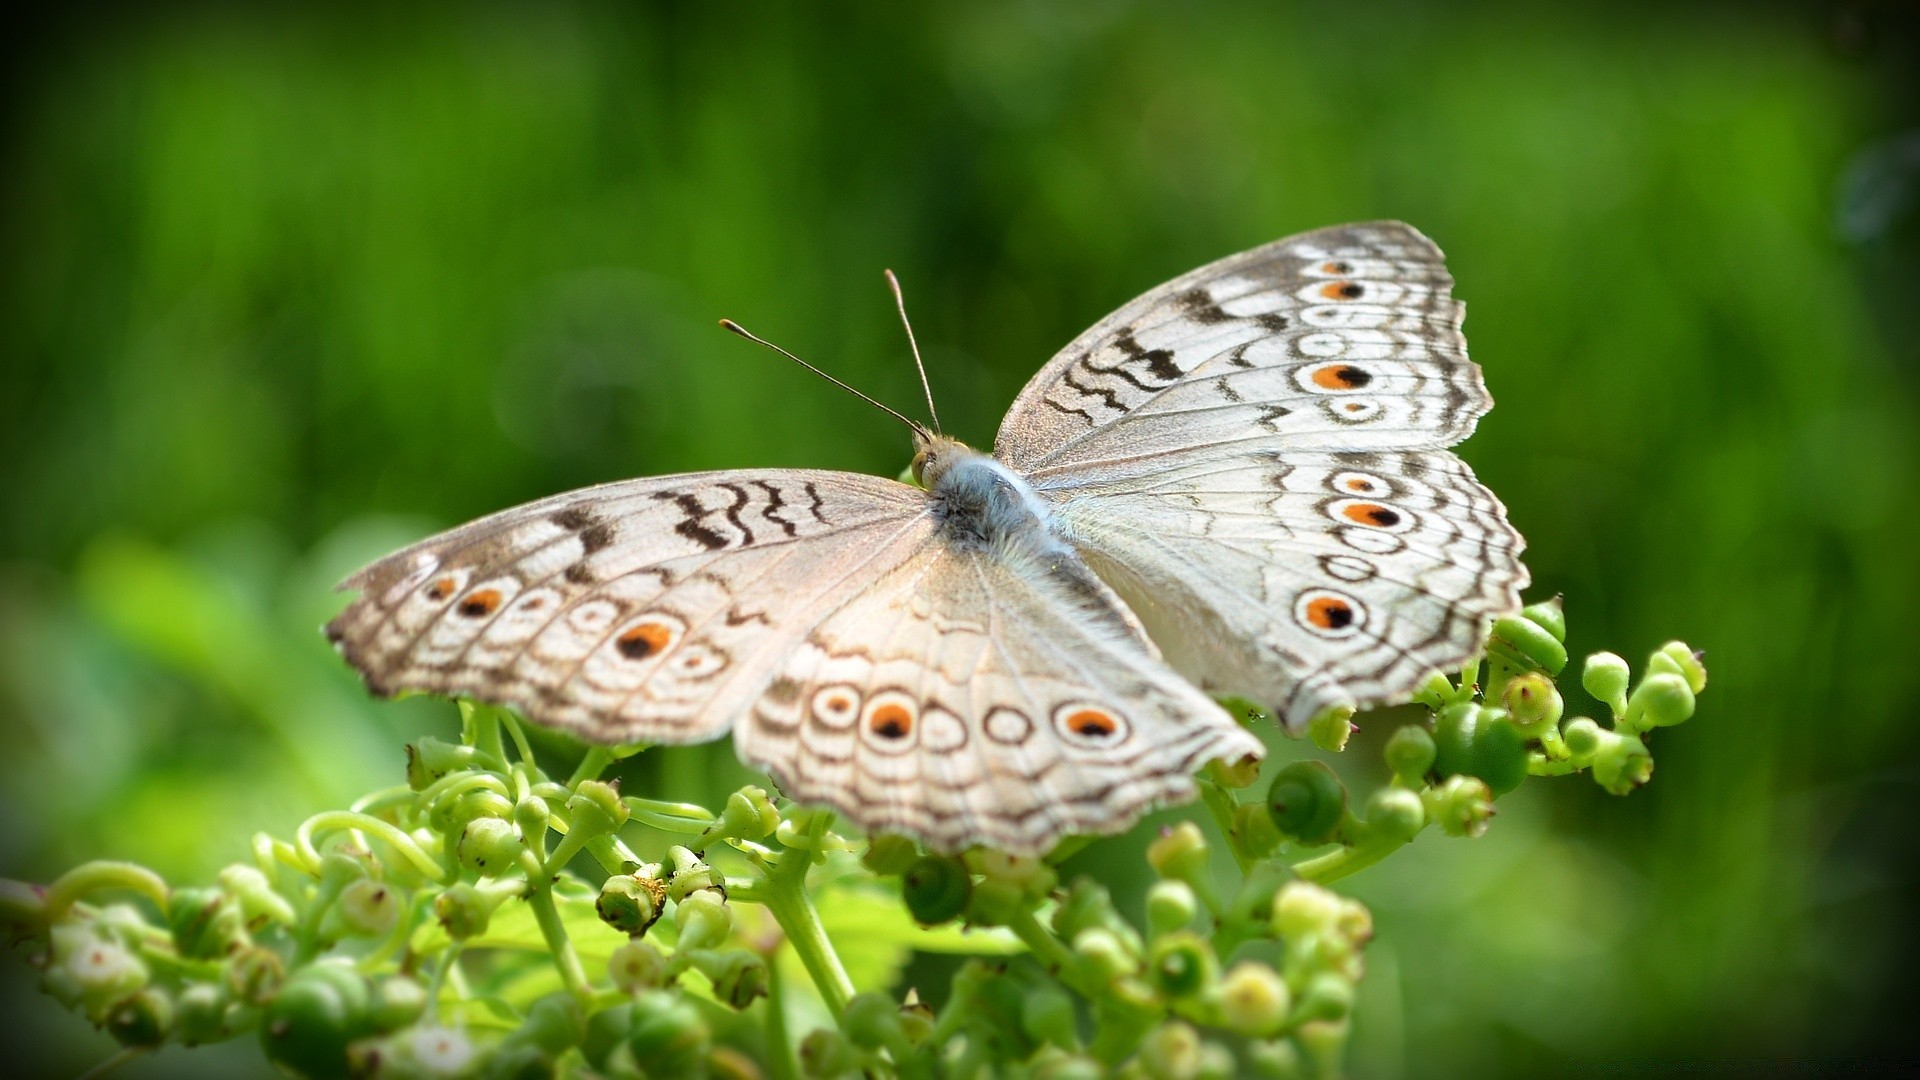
[282,290]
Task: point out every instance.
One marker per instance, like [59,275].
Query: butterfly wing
[972,697]
[1253,455]
[650,610]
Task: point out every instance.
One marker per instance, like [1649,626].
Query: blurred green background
[284,289]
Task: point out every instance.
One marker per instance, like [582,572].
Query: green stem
[595,762]
[1349,860]
[572,975]
[520,744]
[335,820]
[482,731]
[783,1061]
[1222,805]
[786,897]
[98,875]
[126,1054]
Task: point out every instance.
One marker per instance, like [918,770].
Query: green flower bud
[200,1013]
[321,1008]
[1104,954]
[1533,703]
[1476,741]
[518,1061]
[594,809]
[1526,644]
[1394,813]
[1583,737]
[255,895]
[91,971]
[748,815]
[1307,802]
[553,1024]
[1463,806]
[704,920]
[1278,1059]
[1171,906]
[533,816]
[1661,700]
[605,1031]
[1331,728]
[463,911]
[689,874]
[1548,615]
[490,846]
[1622,763]
[1302,909]
[398,1001]
[141,1019]
[1355,923]
[1605,676]
[1181,964]
[936,889]
[739,977]
[430,759]
[1088,903]
[1253,830]
[631,904]
[205,922]
[872,1020]
[369,908]
[1171,1052]
[1238,774]
[1253,1000]
[1033,877]
[668,1034]
[433,1051]
[1054,1065]
[1216,1063]
[825,1054]
[1410,753]
[889,854]
[1675,658]
[637,966]
[1327,997]
[255,975]
[995,903]
[1047,1016]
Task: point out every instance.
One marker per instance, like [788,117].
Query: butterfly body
[1237,484]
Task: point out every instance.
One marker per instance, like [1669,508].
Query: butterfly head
[934,454]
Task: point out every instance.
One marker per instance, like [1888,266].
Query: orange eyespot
[1371,514]
[483,602]
[839,703]
[1092,723]
[1341,377]
[1342,290]
[1329,613]
[644,640]
[441,589]
[1357,484]
[1335,268]
[891,721]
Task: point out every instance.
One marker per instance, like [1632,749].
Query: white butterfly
[1236,484]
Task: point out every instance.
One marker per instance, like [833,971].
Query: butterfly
[1236,485]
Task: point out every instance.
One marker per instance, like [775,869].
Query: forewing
[1344,338]
[973,697]
[648,610]
[1302,580]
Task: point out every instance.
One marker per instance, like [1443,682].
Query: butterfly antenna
[757,340]
[900,301]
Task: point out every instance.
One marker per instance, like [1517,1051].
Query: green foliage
[440,929]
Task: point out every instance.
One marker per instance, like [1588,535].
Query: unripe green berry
[1409,753]
[1103,953]
[321,1008]
[206,923]
[254,975]
[1171,1052]
[462,911]
[889,854]
[452,813]
[1526,644]
[872,1020]
[631,904]
[398,1001]
[1182,964]
[936,889]
[1302,908]
[490,846]
[1278,1059]
[739,977]
[200,1013]
[1533,703]
[1307,801]
[533,815]
[637,966]
[594,809]
[1171,906]
[1047,1016]
[1661,700]
[1474,740]
[1395,813]
[749,814]
[553,1024]
[1463,806]
[1583,737]
[369,908]
[141,1019]
[1179,852]
[1605,676]
[668,1034]
[704,920]
[1254,831]
[1253,1000]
